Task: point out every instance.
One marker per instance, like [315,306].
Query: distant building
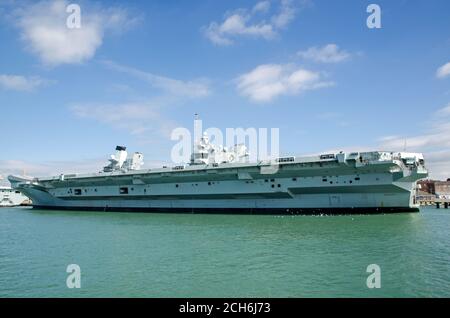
[425,187]
[435,187]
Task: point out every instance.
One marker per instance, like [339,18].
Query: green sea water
[182,255]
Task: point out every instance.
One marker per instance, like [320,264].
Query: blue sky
[136,70]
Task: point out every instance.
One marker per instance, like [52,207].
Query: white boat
[12,197]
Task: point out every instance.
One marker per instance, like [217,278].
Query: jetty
[433,193]
[433,201]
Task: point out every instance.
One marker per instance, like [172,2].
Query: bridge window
[77,191]
[286,159]
[123,190]
[327,156]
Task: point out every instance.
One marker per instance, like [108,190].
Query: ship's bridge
[205,153]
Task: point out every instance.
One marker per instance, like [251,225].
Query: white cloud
[437,135]
[43,29]
[434,142]
[445,111]
[329,53]
[236,25]
[262,6]
[136,118]
[269,81]
[141,119]
[22,83]
[286,14]
[193,89]
[443,71]
[438,164]
[244,22]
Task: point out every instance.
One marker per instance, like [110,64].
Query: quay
[431,192]
[431,200]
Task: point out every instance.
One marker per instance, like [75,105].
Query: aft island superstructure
[221,180]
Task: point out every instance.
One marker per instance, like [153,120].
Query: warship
[222,180]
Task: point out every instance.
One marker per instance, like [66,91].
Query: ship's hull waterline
[319,185]
[243,211]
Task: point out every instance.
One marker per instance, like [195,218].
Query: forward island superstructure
[221,180]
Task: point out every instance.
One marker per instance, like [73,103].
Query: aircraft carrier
[222,181]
